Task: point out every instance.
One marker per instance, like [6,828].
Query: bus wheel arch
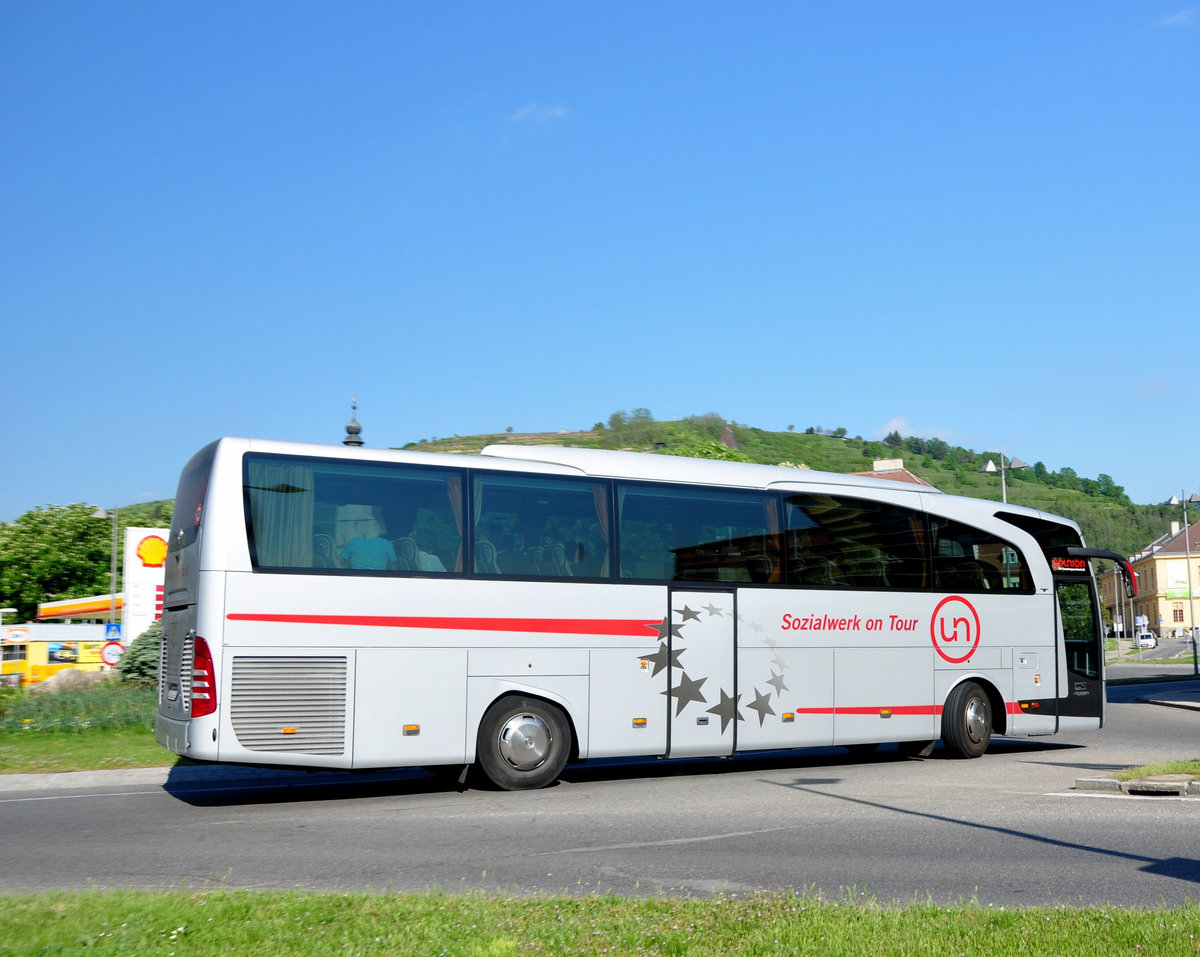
[524,742]
[970,717]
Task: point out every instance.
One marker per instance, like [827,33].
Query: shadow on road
[266,786]
[1179,868]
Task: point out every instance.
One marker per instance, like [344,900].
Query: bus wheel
[523,743]
[967,721]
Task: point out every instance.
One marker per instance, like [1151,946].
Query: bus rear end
[185,721]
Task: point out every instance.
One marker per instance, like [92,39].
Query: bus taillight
[204,680]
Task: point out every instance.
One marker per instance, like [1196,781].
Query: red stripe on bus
[910,709]
[636,628]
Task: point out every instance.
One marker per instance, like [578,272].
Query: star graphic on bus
[762,704]
[688,614]
[687,691]
[663,658]
[727,710]
[776,682]
[713,610]
[667,630]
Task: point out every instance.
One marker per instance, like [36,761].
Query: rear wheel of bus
[523,743]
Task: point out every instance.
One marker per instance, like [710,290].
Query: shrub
[139,664]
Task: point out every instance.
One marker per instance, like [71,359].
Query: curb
[1159,785]
[195,775]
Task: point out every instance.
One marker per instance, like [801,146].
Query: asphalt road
[1006,829]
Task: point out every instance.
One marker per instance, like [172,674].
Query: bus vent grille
[289,704]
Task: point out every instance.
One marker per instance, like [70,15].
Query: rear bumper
[171,734]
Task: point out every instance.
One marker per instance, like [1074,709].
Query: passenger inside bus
[370,549]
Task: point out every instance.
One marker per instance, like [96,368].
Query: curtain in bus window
[600,495]
[968,559]
[454,491]
[281,514]
[844,542]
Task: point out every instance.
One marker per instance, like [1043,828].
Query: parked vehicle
[1147,640]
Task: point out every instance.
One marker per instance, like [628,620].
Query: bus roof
[605,463]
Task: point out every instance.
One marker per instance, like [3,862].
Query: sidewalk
[1174,699]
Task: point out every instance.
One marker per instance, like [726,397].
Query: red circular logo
[954,629]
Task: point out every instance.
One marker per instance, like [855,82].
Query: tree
[53,553]
[893,440]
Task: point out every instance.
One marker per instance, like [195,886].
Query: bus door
[1076,608]
[701,697]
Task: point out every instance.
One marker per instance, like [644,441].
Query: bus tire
[523,743]
[967,721]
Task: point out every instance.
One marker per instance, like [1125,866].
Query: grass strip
[221,922]
[1191,768]
[95,749]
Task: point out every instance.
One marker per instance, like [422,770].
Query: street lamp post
[990,469]
[1187,551]
[112,594]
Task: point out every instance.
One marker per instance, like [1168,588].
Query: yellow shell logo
[152,550]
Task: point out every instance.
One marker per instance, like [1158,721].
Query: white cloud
[538,113]
[1182,18]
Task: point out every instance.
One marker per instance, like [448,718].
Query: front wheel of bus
[967,721]
[523,743]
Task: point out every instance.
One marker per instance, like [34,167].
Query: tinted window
[189,498]
[836,542]
[679,534]
[967,559]
[366,517]
[527,526]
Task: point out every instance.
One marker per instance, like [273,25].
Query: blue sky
[977,221]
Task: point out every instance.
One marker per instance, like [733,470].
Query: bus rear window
[189,498]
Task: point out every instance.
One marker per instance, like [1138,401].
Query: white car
[1147,640]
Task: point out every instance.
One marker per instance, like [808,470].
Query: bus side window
[331,516]
[533,527]
[683,534]
[968,559]
[843,542]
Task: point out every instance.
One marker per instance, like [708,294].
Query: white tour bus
[514,610]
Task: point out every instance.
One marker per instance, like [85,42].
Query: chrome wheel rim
[977,720]
[525,741]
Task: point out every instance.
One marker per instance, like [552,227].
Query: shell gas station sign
[37,650]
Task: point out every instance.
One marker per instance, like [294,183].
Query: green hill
[1101,507]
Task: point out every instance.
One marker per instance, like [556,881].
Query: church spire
[352,427]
